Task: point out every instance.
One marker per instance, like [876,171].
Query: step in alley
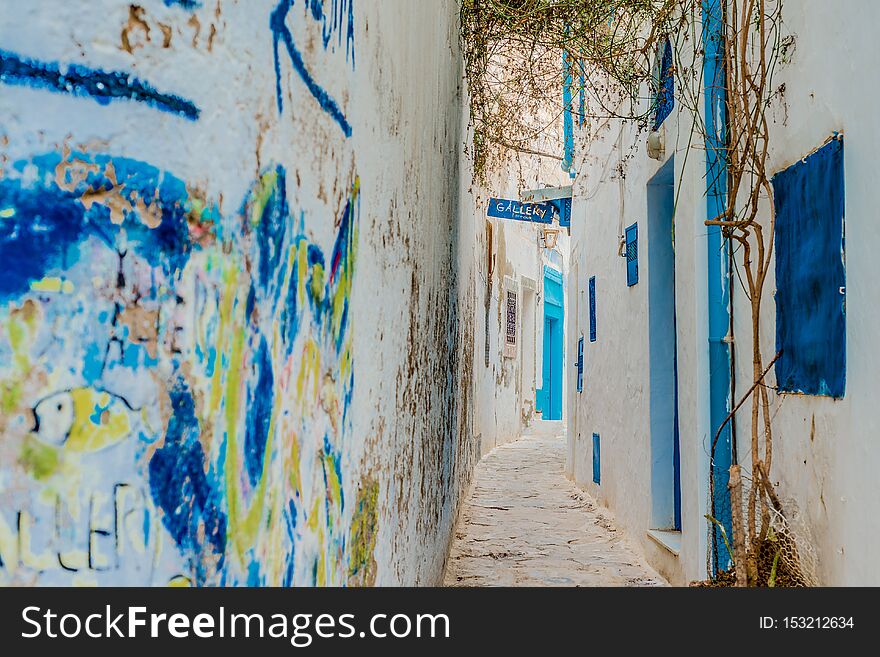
[525,524]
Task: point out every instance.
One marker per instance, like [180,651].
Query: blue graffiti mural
[330,23]
[93,238]
[85,82]
[186,373]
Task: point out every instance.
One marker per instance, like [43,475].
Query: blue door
[550,395]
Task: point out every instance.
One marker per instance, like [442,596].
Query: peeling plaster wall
[234,329]
[504,391]
[825,454]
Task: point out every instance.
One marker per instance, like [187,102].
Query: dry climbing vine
[514,52]
[751,51]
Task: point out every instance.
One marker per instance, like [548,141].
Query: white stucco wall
[824,456]
[279,392]
[504,391]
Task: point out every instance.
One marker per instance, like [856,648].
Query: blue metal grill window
[665,100]
[632,255]
[597,459]
[580,365]
[564,205]
[592,309]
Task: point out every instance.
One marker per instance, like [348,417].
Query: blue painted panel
[810,274]
[715,111]
[632,255]
[580,365]
[597,459]
[676,454]
[664,102]
[552,287]
[502,208]
[592,308]
[568,117]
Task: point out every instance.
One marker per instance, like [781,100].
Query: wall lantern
[656,145]
[550,237]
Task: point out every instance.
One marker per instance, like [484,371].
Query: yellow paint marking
[53,284]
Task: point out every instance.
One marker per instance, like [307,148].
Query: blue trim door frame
[722,451]
[663,352]
[550,396]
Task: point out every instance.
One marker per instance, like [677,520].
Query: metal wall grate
[597,459]
[580,365]
[592,309]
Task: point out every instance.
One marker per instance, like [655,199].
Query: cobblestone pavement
[525,524]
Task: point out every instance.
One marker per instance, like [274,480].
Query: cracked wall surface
[234,334]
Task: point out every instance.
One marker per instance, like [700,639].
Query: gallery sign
[541,213]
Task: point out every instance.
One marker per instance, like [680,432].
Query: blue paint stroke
[290,318]
[281,33]
[85,82]
[38,238]
[341,12]
[336,458]
[186,4]
[810,274]
[259,413]
[341,260]
[182,489]
[270,234]
[47,223]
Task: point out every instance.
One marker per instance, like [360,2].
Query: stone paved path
[525,524]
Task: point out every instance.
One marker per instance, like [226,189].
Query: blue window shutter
[580,365]
[592,308]
[810,274]
[597,460]
[664,102]
[632,255]
[564,207]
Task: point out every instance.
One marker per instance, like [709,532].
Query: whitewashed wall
[504,391]
[825,457]
[276,391]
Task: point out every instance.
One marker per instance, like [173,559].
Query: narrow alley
[398,293]
[525,524]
